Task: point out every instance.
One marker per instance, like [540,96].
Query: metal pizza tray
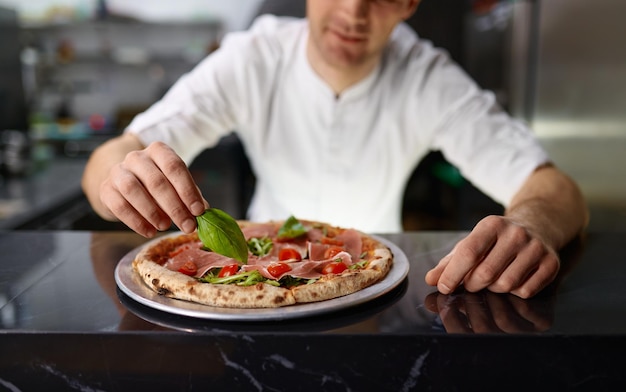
[131,285]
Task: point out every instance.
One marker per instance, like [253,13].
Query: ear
[410,9]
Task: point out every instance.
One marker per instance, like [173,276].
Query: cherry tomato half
[228,270]
[334,267]
[332,251]
[277,269]
[289,254]
[189,268]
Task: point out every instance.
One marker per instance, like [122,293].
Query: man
[334,113]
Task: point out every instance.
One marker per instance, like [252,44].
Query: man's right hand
[145,188]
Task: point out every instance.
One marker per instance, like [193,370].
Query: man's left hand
[499,255]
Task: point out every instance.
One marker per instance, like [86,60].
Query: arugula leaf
[260,246]
[360,264]
[220,233]
[248,278]
[292,228]
[252,277]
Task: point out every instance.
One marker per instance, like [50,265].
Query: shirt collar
[353,92]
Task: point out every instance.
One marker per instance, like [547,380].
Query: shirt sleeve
[493,151]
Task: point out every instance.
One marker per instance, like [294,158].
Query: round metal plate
[132,285]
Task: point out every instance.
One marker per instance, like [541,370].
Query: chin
[339,56]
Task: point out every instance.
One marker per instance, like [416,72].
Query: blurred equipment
[14,142]
[13,108]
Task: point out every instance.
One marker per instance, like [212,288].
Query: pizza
[317,263]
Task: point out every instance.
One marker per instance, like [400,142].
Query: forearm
[99,165]
[551,205]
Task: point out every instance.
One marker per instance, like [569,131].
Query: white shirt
[342,160]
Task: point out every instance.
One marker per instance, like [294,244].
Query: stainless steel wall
[580,80]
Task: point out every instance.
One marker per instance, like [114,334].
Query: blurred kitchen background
[73,73]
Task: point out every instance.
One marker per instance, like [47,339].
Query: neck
[339,77]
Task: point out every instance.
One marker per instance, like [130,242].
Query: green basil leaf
[292,228]
[220,233]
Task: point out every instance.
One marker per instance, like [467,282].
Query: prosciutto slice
[202,259]
[259,231]
[352,242]
[305,269]
[349,240]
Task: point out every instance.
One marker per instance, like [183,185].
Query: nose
[358,9]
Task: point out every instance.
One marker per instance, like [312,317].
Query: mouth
[348,38]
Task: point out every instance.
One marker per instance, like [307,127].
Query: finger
[493,265]
[540,278]
[432,276]
[467,254]
[513,256]
[158,185]
[176,171]
[128,215]
[521,268]
[129,187]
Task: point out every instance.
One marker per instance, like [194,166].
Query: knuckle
[172,165]
[125,185]
[537,249]
[117,206]
[467,253]
[178,213]
[484,274]
[157,145]
[155,182]
[189,193]
[492,222]
[504,284]
[519,235]
[154,215]
[134,156]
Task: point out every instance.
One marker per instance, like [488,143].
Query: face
[352,33]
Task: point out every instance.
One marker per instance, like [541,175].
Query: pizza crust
[334,286]
[172,284]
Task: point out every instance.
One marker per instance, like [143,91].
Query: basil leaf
[292,228]
[219,232]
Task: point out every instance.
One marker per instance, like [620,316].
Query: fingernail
[443,289]
[164,225]
[188,225]
[197,208]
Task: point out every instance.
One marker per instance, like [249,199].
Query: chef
[334,112]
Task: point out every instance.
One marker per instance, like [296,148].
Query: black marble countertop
[45,190]
[65,325]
